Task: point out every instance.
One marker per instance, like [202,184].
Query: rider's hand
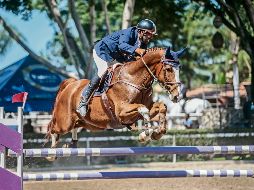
[140,51]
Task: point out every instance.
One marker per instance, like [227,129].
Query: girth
[114,123]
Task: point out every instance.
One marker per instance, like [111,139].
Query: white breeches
[100,63]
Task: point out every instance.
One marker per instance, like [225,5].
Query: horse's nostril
[175,99]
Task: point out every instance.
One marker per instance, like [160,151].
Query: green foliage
[244,64]
[179,23]
[115,9]
[198,30]
[18,7]
[166,14]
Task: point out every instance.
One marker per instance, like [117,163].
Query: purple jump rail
[12,140]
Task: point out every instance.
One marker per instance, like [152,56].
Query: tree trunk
[128,13]
[105,9]
[252,79]
[92,21]
[15,37]
[83,37]
[235,50]
[92,34]
[66,34]
[248,46]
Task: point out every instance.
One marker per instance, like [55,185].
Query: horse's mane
[154,49]
[149,50]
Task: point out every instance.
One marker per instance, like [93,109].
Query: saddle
[106,80]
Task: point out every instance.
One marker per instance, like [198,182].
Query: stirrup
[82,110]
[82,107]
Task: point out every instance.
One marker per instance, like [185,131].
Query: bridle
[173,63]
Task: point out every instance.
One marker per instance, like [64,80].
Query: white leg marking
[74,134]
[145,113]
[145,135]
[177,79]
[53,137]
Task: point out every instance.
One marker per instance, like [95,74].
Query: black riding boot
[89,89]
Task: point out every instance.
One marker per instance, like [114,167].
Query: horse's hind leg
[74,139]
[54,141]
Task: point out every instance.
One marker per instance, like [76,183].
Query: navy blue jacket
[119,45]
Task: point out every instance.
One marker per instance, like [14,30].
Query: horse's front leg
[129,113]
[158,113]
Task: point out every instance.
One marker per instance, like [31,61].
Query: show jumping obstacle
[138,174]
[14,141]
[128,151]
[13,181]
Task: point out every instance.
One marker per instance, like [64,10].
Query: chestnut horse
[128,98]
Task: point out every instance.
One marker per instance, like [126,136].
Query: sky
[37,32]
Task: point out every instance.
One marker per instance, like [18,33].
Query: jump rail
[67,152]
[11,180]
[138,174]
[8,177]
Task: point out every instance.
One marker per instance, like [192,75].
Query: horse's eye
[169,69]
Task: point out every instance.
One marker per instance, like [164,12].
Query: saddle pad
[104,86]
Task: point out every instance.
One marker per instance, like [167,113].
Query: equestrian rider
[118,46]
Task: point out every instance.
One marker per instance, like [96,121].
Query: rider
[119,46]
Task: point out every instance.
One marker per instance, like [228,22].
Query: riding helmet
[147,24]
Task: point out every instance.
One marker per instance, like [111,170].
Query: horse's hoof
[156,136]
[144,141]
[73,144]
[66,146]
[51,158]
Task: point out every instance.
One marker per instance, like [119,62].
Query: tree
[238,16]
[204,63]
[167,15]
[77,26]
[21,42]
[5,42]
[128,13]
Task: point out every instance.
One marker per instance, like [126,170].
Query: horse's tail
[49,130]
[51,124]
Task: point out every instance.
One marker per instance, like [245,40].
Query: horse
[128,98]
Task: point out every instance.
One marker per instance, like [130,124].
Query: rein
[138,87]
[171,62]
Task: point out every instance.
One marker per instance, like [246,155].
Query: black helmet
[147,24]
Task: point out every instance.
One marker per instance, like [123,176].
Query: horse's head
[168,73]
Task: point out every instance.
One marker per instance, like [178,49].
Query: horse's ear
[181,52]
[168,53]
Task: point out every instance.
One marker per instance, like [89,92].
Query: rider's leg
[88,91]
[94,83]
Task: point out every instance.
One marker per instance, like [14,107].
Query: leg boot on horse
[87,93]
